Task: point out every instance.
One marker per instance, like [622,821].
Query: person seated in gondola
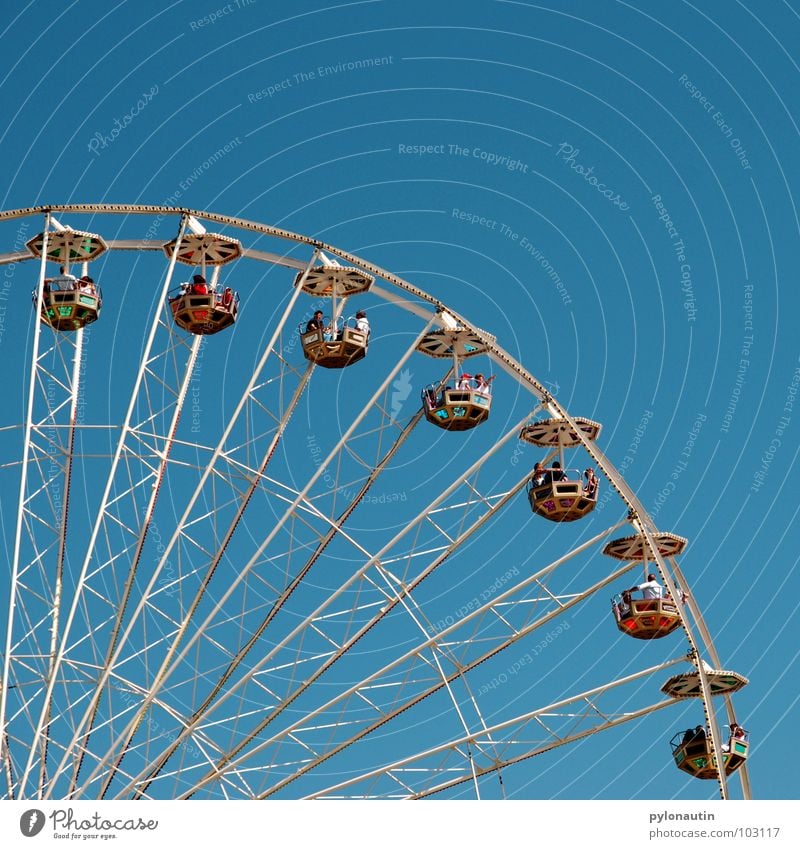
[65,281]
[694,736]
[737,733]
[592,483]
[464,383]
[482,384]
[650,589]
[555,473]
[316,322]
[362,323]
[537,479]
[199,285]
[226,299]
[86,284]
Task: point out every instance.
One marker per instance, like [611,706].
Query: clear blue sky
[605,186]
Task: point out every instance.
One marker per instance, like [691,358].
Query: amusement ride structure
[287,591]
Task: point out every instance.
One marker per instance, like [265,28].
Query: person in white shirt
[650,589]
[482,384]
[86,284]
[362,323]
[65,281]
[737,733]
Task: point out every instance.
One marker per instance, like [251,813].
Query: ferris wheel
[264,514]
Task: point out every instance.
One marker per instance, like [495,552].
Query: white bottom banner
[399,825]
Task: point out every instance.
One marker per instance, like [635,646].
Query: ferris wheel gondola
[693,752]
[468,402]
[334,343]
[68,303]
[200,307]
[558,493]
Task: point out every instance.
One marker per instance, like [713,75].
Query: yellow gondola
[646,618]
[456,409]
[333,346]
[68,303]
[557,498]
[693,752]
[203,312]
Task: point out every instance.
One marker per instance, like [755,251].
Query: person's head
[228,289]
[87,279]
[361,314]
[589,473]
[556,464]
[318,314]
[651,577]
[198,278]
[479,376]
[538,466]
